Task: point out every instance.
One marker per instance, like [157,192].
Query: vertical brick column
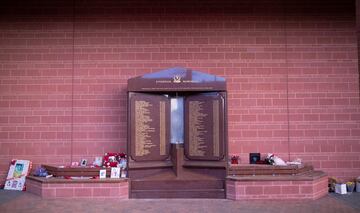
[358,36]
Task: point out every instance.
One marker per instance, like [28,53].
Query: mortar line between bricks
[287,76]
[72,82]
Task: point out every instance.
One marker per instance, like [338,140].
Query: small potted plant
[350,186]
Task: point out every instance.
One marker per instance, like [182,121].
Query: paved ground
[11,201]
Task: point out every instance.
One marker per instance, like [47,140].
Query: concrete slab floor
[11,201]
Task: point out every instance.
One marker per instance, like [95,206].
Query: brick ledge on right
[311,185]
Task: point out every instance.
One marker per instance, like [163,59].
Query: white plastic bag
[276,160]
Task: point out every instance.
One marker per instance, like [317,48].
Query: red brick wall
[291,69]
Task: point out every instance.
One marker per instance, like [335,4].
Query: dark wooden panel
[75,171]
[177,184]
[55,180]
[178,189]
[204,127]
[149,127]
[205,164]
[150,165]
[174,194]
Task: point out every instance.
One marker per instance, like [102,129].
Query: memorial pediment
[177,79]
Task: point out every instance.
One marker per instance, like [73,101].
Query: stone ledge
[262,169]
[70,181]
[308,176]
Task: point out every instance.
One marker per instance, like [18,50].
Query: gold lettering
[216,150]
[197,129]
[143,128]
[162,129]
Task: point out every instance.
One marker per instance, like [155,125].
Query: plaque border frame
[131,145]
[222,131]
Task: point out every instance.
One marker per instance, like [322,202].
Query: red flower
[13,161]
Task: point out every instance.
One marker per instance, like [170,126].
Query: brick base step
[154,194]
[178,189]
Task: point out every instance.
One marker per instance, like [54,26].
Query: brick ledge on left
[83,188]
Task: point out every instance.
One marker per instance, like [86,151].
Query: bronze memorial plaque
[150,116]
[204,127]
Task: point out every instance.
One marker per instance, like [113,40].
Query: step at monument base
[214,189]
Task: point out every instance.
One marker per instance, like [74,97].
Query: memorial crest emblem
[177,79]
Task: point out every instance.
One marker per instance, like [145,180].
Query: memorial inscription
[143,128]
[197,131]
[150,135]
[204,127]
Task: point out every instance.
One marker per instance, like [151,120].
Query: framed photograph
[16,177]
[102,173]
[115,172]
[123,173]
[254,158]
[83,162]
